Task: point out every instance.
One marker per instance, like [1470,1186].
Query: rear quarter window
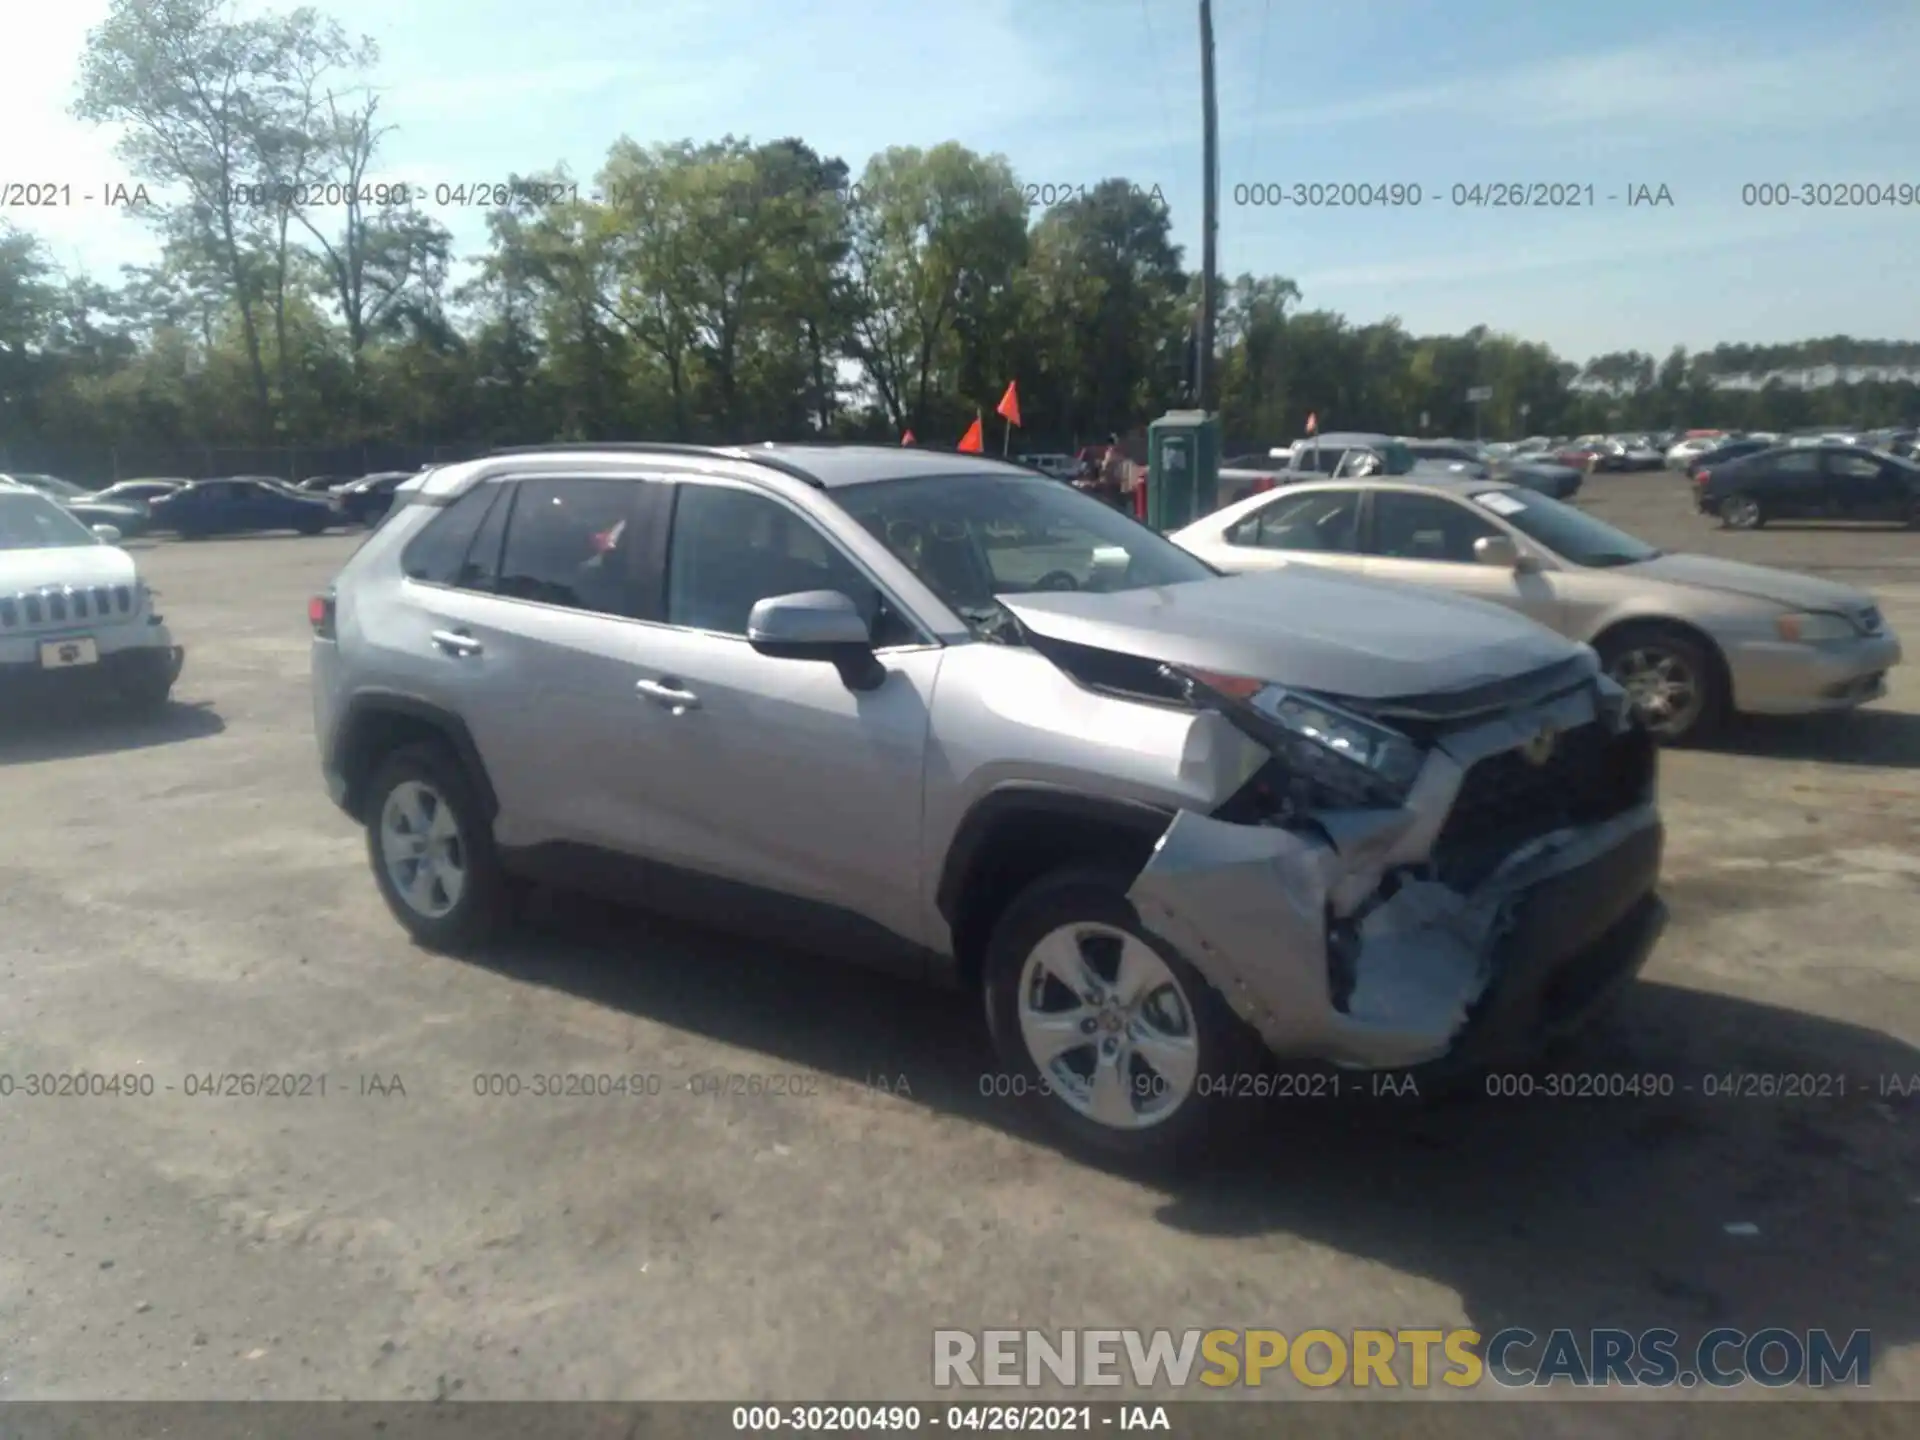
[437,554]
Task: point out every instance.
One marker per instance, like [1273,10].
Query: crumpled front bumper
[1434,975]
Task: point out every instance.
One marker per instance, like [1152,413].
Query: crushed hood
[1761,582]
[1307,627]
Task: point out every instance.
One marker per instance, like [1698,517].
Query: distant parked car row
[230,505]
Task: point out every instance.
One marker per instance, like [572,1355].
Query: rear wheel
[1741,512]
[311,527]
[432,851]
[1112,1036]
[1673,683]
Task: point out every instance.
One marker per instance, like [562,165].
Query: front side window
[733,548]
[1325,521]
[1425,527]
[569,543]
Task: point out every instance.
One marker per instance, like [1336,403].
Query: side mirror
[1497,551]
[817,625]
[105,534]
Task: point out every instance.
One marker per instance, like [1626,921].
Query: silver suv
[935,711]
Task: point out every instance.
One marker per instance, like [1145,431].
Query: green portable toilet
[1183,468]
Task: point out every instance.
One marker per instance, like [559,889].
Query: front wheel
[1113,1036]
[1672,682]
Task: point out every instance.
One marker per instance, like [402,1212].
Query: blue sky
[1702,96]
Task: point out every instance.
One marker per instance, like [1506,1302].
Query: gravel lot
[181,900]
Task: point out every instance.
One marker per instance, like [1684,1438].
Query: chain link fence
[95,465]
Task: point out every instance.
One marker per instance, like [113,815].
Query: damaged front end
[1419,883]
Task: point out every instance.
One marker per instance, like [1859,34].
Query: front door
[776,774]
[1427,539]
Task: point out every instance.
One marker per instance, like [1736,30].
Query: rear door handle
[457,642]
[668,694]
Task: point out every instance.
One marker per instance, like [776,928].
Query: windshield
[1399,459]
[971,537]
[33,522]
[1571,534]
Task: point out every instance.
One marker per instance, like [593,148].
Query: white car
[73,609]
[1060,467]
[1680,455]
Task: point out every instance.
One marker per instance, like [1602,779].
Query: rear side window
[438,553]
[572,542]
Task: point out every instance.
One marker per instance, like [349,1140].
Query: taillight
[1265,482]
[320,615]
[1700,477]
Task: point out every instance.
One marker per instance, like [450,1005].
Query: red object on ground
[973,441]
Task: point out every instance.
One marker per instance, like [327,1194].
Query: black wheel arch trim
[373,703]
[1015,800]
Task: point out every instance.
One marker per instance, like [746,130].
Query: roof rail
[663,447]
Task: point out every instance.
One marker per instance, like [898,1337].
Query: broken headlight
[1339,758]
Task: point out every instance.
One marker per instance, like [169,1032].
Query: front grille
[1505,801]
[63,606]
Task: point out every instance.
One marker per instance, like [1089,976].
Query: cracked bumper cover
[1440,976]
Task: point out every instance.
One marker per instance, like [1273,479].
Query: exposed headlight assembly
[1812,627]
[1351,759]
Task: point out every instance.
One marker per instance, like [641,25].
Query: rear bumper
[1775,678]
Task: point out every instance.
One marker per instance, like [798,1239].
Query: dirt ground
[179,899]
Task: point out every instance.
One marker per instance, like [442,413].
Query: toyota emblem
[1540,748]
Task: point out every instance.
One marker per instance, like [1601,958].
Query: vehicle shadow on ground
[1887,739]
[68,731]
[1543,1212]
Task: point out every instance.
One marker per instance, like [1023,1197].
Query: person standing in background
[1116,473]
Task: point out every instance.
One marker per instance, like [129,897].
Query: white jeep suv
[73,609]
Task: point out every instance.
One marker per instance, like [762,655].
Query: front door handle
[668,694]
[457,642]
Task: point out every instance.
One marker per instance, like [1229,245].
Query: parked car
[86,506]
[1244,475]
[1692,639]
[1682,454]
[1589,456]
[1473,462]
[1637,452]
[795,689]
[140,493]
[366,500]
[1060,466]
[73,608]
[1355,453]
[323,484]
[1827,482]
[241,506]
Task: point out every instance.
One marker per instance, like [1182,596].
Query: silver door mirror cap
[807,623]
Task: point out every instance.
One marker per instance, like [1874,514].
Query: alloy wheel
[1742,512]
[1108,1026]
[422,848]
[1662,687]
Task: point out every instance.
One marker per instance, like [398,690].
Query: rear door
[536,634]
[1319,527]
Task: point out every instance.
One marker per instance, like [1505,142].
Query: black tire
[1742,512]
[1701,722]
[145,690]
[311,528]
[1207,1118]
[484,906]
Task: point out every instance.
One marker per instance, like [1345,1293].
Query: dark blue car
[240,506]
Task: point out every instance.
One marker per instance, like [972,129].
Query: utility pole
[1209,214]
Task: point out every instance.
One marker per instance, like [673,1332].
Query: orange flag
[907,438]
[1009,406]
[973,441]
[1313,423]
